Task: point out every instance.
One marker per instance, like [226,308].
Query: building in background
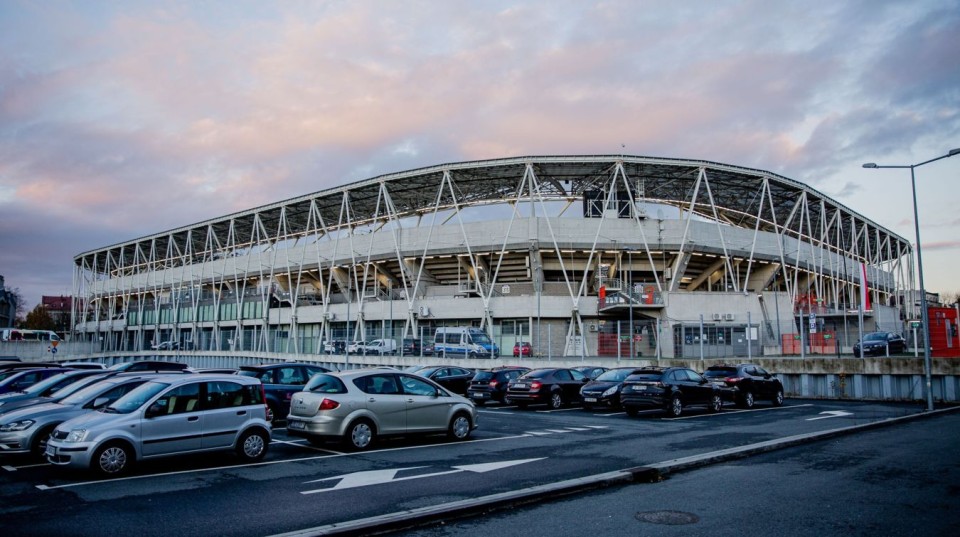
[578,255]
[8,306]
[59,308]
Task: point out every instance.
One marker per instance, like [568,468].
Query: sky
[123,119]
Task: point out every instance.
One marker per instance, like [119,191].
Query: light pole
[924,315]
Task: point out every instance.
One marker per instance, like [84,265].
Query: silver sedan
[355,407]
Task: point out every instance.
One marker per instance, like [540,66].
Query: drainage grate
[667,518]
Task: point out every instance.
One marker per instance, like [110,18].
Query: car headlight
[16,426]
[76,435]
[610,391]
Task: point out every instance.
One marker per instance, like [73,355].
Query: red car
[522,348]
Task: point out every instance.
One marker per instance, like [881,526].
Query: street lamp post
[924,314]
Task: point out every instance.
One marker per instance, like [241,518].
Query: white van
[380,346]
[464,341]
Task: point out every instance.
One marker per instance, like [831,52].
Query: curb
[651,473]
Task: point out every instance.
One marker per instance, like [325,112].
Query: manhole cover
[668,518]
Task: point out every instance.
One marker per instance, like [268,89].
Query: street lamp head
[954,152]
[870,165]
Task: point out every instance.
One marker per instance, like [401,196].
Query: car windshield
[82,395]
[880,336]
[76,386]
[479,337]
[615,375]
[49,382]
[538,374]
[321,383]
[720,372]
[483,375]
[135,398]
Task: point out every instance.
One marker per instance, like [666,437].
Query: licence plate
[520,385]
[590,399]
[477,395]
[296,425]
[639,388]
[51,451]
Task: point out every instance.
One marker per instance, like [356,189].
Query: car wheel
[632,412]
[747,400]
[716,404]
[112,459]
[459,427]
[252,445]
[39,445]
[778,397]
[556,400]
[676,406]
[360,435]
[274,414]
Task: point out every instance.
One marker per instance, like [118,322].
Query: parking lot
[301,486]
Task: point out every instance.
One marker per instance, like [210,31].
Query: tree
[39,319]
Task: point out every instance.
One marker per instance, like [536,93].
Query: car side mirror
[155,410]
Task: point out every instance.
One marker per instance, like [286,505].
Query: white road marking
[271,463]
[537,433]
[831,414]
[378,477]
[727,413]
[557,410]
[15,468]
[557,430]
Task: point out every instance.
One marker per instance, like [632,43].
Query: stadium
[606,255]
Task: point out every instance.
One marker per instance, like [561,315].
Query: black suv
[492,385]
[415,347]
[280,381]
[745,383]
[671,388]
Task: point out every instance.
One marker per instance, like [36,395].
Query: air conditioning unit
[593,328]
[424,311]
[729,316]
[717,317]
[329,316]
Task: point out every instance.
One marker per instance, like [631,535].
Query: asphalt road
[897,480]
[299,487]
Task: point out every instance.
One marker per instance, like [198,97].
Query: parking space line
[738,412]
[557,430]
[271,463]
[578,428]
[558,410]
[302,443]
[15,468]
[537,433]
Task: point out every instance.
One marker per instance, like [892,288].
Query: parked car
[380,347]
[84,365]
[335,347]
[168,415]
[359,406]
[416,347]
[166,346]
[591,371]
[552,386]
[745,383]
[27,429]
[604,390]
[17,380]
[671,388]
[521,349]
[357,347]
[280,382]
[877,343]
[12,401]
[47,386]
[454,378]
[149,365]
[492,385]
